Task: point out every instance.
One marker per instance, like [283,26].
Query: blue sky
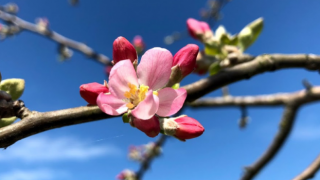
[98,150]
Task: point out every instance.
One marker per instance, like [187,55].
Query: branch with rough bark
[258,65]
[310,171]
[54,36]
[39,122]
[291,101]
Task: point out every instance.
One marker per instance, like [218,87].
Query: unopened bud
[139,44]
[186,58]
[90,92]
[182,127]
[123,49]
[199,30]
[150,127]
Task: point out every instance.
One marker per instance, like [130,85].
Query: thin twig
[285,128]
[54,36]
[310,171]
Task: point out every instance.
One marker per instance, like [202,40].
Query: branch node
[20,110]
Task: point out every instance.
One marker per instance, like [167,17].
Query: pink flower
[90,92]
[150,127]
[197,28]
[123,49]
[138,44]
[142,92]
[182,127]
[186,58]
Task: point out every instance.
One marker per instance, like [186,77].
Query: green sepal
[7,121]
[214,68]
[125,118]
[213,48]
[14,87]
[176,86]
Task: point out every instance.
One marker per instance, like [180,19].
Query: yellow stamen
[155,93]
[135,95]
[130,106]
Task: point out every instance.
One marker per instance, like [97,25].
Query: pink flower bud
[197,28]
[150,127]
[138,44]
[90,92]
[182,127]
[188,128]
[123,49]
[186,58]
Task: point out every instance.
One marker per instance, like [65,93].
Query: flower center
[135,95]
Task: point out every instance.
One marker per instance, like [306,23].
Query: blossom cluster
[143,92]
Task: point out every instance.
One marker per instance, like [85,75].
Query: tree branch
[148,160]
[54,36]
[262,100]
[246,70]
[279,140]
[310,171]
[37,122]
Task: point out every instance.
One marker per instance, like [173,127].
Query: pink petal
[121,75]
[155,68]
[111,105]
[147,108]
[171,101]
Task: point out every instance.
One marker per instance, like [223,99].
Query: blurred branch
[54,36]
[258,65]
[148,160]
[310,171]
[263,100]
[285,128]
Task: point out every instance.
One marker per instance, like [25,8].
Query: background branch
[246,70]
[54,36]
[310,171]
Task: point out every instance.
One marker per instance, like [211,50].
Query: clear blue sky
[98,150]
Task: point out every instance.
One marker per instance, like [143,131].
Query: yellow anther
[130,106]
[155,93]
[127,94]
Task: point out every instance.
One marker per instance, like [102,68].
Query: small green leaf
[125,118]
[233,40]
[221,31]
[250,33]
[14,87]
[214,68]
[176,86]
[7,121]
[213,48]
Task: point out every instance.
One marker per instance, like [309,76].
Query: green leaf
[176,86]
[233,40]
[14,87]
[125,118]
[250,33]
[7,121]
[221,31]
[214,68]
[213,48]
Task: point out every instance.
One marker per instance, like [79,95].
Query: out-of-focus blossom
[126,175]
[123,50]
[90,91]
[140,153]
[42,24]
[139,44]
[198,29]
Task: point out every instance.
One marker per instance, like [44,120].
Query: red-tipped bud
[139,44]
[150,127]
[186,58]
[123,49]
[182,127]
[197,28]
[90,92]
